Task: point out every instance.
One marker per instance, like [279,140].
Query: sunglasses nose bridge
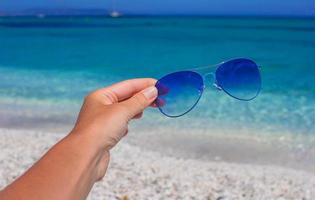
[209,79]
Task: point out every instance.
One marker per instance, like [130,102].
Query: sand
[137,173]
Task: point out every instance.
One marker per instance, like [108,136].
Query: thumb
[137,103]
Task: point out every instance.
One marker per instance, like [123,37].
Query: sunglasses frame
[211,70]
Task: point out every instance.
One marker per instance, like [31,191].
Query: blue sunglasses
[179,92]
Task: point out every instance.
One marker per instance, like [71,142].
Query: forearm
[67,171]
[70,168]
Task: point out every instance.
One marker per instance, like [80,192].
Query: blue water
[58,60]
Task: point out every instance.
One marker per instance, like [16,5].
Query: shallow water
[48,65]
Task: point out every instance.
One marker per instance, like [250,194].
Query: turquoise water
[58,60]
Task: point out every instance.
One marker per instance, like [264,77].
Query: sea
[48,65]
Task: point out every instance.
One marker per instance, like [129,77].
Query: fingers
[153,105]
[124,90]
[137,103]
[138,116]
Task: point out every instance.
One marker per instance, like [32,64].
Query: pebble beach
[223,149]
[135,173]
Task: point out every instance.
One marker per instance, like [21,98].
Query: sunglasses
[179,92]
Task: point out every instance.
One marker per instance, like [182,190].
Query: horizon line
[157,15]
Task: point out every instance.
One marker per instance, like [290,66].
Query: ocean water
[47,65]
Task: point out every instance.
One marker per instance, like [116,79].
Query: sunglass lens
[178,92]
[240,78]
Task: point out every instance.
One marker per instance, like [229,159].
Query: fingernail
[150,93]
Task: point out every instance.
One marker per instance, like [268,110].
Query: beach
[223,149]
[137,174]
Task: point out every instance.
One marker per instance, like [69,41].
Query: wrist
[90,152]
[91,144]
[98,140]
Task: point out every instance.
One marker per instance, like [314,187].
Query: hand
[106,112]
[71,167]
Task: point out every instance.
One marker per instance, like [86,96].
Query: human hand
[105,113]
[71,167]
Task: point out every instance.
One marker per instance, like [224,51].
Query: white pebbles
[135,173]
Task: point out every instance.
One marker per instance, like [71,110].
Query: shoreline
[229,145]
[187,138]
[230,148]
[139,174]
